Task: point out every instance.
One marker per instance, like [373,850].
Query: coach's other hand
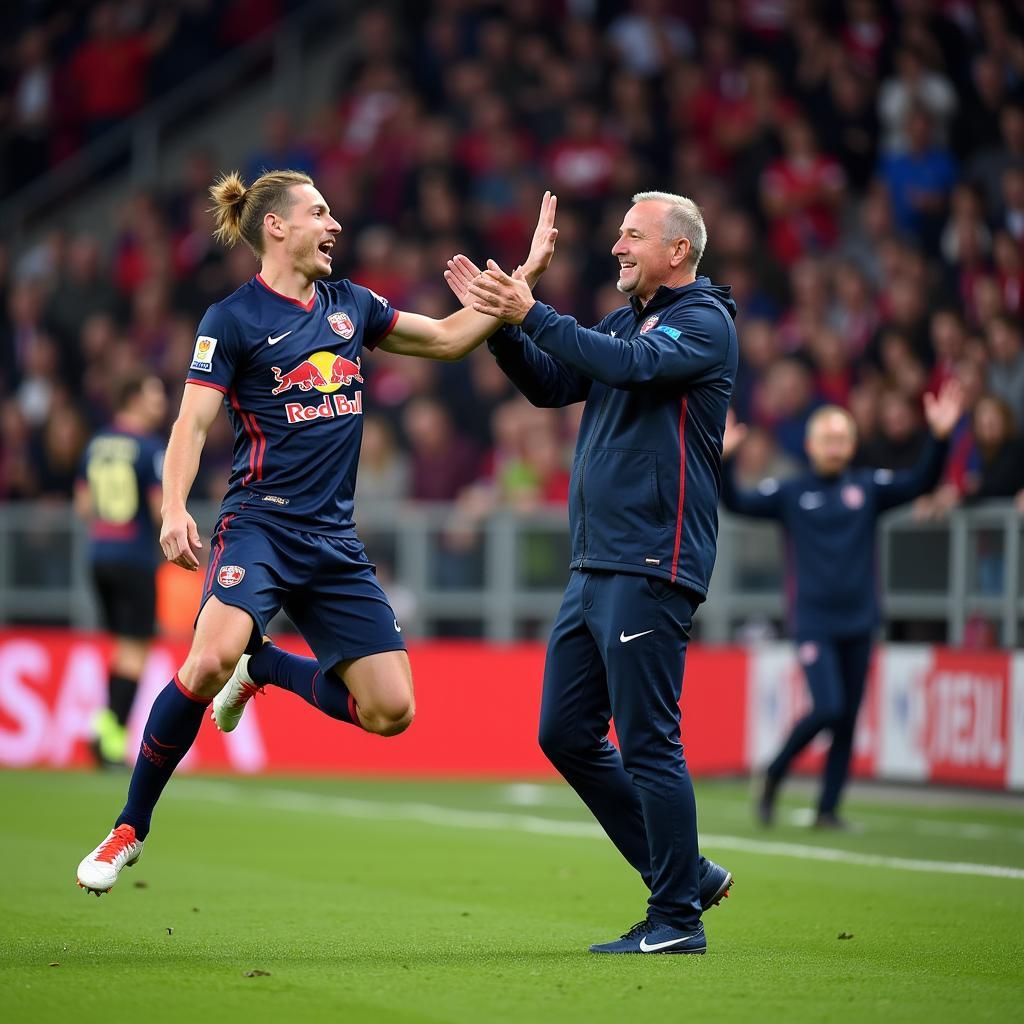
[496,294]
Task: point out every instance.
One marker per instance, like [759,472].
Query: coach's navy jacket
[830,537]
[657,381]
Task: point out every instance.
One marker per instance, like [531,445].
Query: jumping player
[118,495]
[829,516]
[655,376]
[283,354]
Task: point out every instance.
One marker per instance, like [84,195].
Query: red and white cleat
[229,704]
[99,871]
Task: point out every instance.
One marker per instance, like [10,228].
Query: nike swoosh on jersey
[623,639]
[274,341]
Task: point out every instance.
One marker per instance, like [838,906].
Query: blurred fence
[955,581]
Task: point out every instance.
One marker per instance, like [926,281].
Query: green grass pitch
[475,902]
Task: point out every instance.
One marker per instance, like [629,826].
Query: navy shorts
[326,585]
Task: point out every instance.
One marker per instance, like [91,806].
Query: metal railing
[502,579]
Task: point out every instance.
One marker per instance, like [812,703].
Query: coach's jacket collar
[664,296]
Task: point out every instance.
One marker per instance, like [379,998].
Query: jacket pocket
[624,511]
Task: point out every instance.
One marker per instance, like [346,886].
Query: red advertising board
[477,710]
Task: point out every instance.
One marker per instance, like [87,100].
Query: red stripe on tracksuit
[682,489]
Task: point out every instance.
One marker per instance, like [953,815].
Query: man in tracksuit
[656,376]
[829,516]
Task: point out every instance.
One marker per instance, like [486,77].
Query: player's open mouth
[626,266]
[326,247]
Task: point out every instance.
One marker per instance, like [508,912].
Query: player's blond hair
[239,210]
[830,410]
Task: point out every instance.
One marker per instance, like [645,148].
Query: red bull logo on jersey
[325,372]
[341,323]
[649,324]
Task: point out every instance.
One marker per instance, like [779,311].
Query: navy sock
[171,729]
[274,667]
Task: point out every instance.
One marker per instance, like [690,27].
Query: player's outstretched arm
[179,535]
[457,335]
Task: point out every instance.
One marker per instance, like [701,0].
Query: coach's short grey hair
[683,220]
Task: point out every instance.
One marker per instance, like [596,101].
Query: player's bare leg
[381,688]
[221,636]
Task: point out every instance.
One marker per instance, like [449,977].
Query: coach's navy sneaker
[831,820]
[650,937]
[715,883]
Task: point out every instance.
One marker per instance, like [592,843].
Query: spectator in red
[854,313]
[1009,267]
[949,344]
[833,374]
[863,34]
[108,71]
[800,194]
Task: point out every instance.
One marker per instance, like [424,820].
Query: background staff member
[118,494]
[830,517]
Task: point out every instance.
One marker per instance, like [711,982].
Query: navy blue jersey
[291,376]
[122,470]
[656,380]
[830,537]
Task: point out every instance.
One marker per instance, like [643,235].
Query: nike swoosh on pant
[623,639]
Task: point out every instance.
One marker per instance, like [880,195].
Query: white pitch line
[453,817]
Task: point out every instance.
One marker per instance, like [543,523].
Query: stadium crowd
[860,167]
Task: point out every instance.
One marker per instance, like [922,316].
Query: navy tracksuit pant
[617,650]
[836,669]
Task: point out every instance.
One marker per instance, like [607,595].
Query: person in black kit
[829,516]
[118,494]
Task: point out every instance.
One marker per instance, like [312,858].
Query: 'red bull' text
[328,409]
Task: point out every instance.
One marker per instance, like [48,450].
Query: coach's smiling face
[647,259]
[309,232]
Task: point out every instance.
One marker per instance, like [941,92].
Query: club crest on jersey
[230,575]
[649,324]
[341,324]
[852,495]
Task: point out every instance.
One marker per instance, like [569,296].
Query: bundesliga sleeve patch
[202,358]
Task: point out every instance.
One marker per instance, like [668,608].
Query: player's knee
[388,718]
[206,670]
